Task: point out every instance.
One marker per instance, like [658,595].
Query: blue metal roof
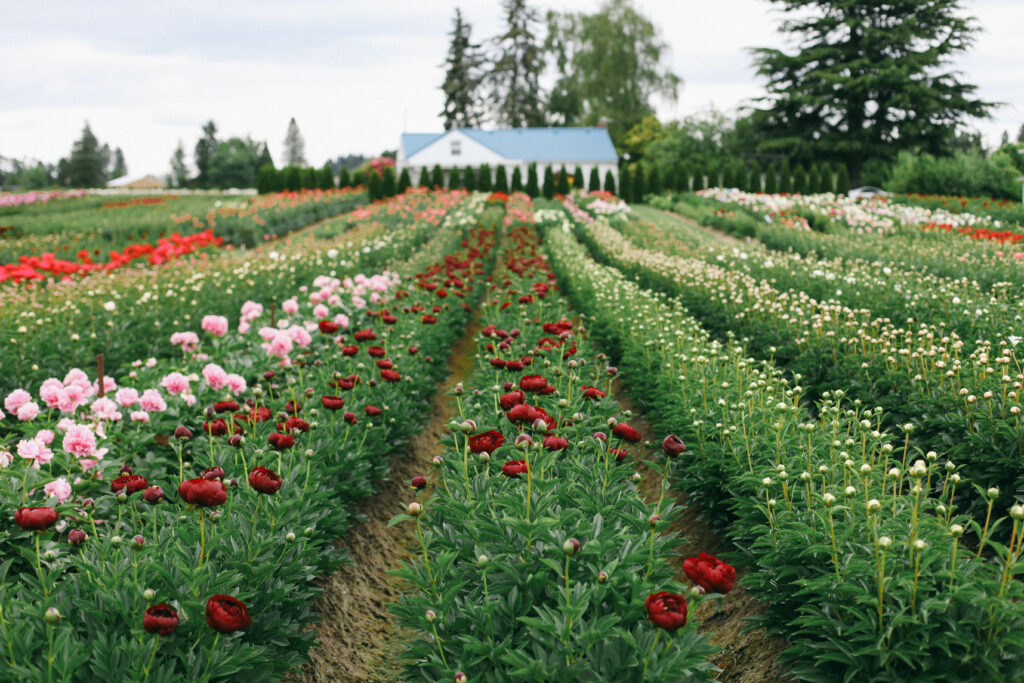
[530,144]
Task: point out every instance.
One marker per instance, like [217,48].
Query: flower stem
[152,656]
[657,637]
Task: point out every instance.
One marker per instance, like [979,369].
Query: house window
[456,147]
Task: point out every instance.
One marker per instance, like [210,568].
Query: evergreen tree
[532,187]
[514,78]
[309,178]
[120,167]
[562,182]
[344,179]
[373,187]
[455,178]
[294,145]
[179,169]
[754,180]
[437,176]
[483,178]
[639,185]
[469,179]
[291,180]
[654,185]
[813,179]
[233,164]
[699,176]
[826,182]
[626,184]
[359,179]
[501,180]
[548,188]
[325,178]
[404,181]
[594,183]
[577,179]
[387,183]
[728,175]
[1020,135]
[266,179]
[771,181]
[843,181]
[462,78]
[799,180]
[517,180]
[265,155]
[609,182]
[205,148]
[85,167]
[785,178]
[424,177]
[893,61]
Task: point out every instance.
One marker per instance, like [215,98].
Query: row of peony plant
[954,394]
[853,538]
[539,560]
[101,313]
[170,527]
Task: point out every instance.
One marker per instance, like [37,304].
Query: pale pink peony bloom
[65,424]
[28,411]
[189,399]
[133,374]
[267,333]
[280,346]
[359,302]
[109,385]
[6,458]
[76,376]
[59,489]
[251,310]
[105,409]
[127,397]
[189,341]
[71,397]
[342,320]
[50,392]
[217,325]
[152,401]
[36,451]
[151,362]
[236,383]
[334,300]
[16,399]
[299,335]
[139,416]
[46,436]
[175,383]
[243,327]
[321,311]
[215,376]
[2,415]
[290,306]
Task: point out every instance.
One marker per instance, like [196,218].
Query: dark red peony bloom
[260,414]
[385,364]
[264,480]
[328,326]
[513,468]
[619,453]
[555,443]
[514,366]
[532,383]
[153,495]
[293,407]
[372,411]
[428,319]
[511,399]
[216,427]
[625,432]
[349,350]
[592,393]
[390,376]
[377,351]
[281,441]
[129,483]
[413,350]
[35,519]
[498,362]
[711,574]
[225,407]
[214,472]
[226,614]
[161,619]
[350,418]
[77,537]
[673,446]
[332,402]
[204,492]
[293,423]
[486,442]
[365,335]
[182,433]
[666,610]
[419,482]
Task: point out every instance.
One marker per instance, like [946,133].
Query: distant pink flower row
[35,197]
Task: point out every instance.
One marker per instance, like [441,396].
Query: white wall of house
[453,149]
[416,168]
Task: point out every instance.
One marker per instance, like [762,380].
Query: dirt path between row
[746,657]
[359,641]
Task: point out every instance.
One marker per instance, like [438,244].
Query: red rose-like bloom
[390,376]
[428,319]
[709,573]
[673,446]
[332,402]
[204,492]
[77,537]
[487,442]
[619,453]
[624,431]
[349,350]
[413,350]
[182,433]
[292,407]
[281,441]
[129,483]
[555,443]
[260,414]
[523,413]
[264,480]
[419,482]
[328,326]
[514,366]
[497,362]
[532,383]
[385,364]
[372,411]
[511,399]
[365,335]
[592,393]
[350,418]
[153,495]
[293,423]
[513,468]
[214,472]
[225,407]
[35,519]
[226,614]
[216,427]
[666,610]
[377,351]
[161,619]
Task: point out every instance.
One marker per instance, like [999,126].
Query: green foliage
[799,180]
[501,180]
[754,177]
[308,178]
[437,177]
[205,148]
[469,179]
[267,180]
[344,179]
[609,182]
[532,186]
[548,188]
[483,178]
[404,181]
[638,185]
[964,173]
[294,145]
[86,166]
[358,178]
[387,183]
[233,164]
[826,178]
[578,179]
[626,184]
[813,179]
[325,178]
[771,180]
[373,187]
[594,183]
[291,178]
[843,180]
[455,180]
[462,79]
[514,78]
[517,180]
[785,178]
[654,184]
[562,182]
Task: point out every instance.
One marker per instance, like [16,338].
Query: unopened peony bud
[654,519]
[874,505]
[602,577]
[52,616]
[437,460]
[460,677]
[956,530]
[828,499]
[884,542]
[483,561]
[1017,512]
[993,492]
[182,433]
[149,595]
[290,536]
[571,547]
[139,542]
[419,482]
[430,616]
[414,509]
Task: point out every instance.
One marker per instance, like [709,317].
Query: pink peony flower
[6,458]
[80,441]
[280,346]
[28,411]
[36,451]
[243,327]
[175,383]
[109,385]
[45,435]
[300,336]
[189,341]
[251,310]
[342,320]
[76,376]
[127,396]
[105,409]
[321,311]
[50,392]
[65,424]
[215,376]
[189,399]
[16,399]
[217,325]
[139,416]
[290,306]
[152,401]
[59,488]
[236,383]
[267,333]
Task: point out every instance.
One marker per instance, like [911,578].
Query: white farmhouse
[517,147]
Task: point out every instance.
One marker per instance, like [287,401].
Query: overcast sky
[354,74]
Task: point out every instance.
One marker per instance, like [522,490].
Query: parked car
[867,192]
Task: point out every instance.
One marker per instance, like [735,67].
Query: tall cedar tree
[577,179]
[86,166]
[548,189]
[344,178]
[483,178]
[609,182]
[404,181]
[515,74]
[754,180]
[785,177]
[325,178]
[532,187]
[436,176]
[388,183]
[799,180]
[455,178]
[501,180]
[179,169]
[562,182]
[205,148]
[374,186]
[469,179]
[294,145]
[771,181]
[843,180]
[594,184]
[610,64]
[869,79]
[517,180]
[462,79]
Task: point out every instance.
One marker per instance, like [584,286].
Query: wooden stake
[99,373]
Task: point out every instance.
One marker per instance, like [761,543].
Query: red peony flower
[350,418]
[498,362]
[214,472]
[293,407]
[428,319]
[419,482]
[511,399]
[204,492]
[365,335]
[77,537]
[182,433]
[486,442]
[711,574]
[349,350]
[153,495]
[264,480]
[666,610]
[390,376]
[619,453]
[625,432]
[35,519]
[332,402]
[161,619]
[281,441]
[514,366]
[532,383]
[129,483]
[555,443]
[673,446]
[216,427]
[377,351]
[513,468]
[225,407]
[226,614]
[293,423]
[372,411]
[328,326]
[592,393]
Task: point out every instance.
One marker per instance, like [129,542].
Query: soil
[358,638]
[747,656]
